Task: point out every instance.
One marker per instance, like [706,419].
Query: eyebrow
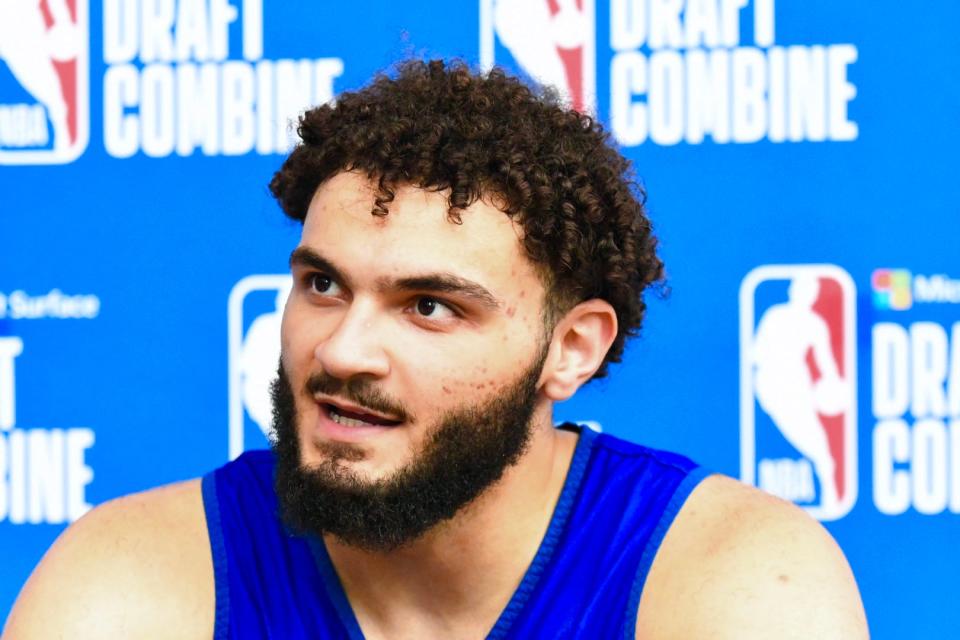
[444,283]
[306,257]
[429,282]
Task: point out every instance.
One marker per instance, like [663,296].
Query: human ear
[580,343]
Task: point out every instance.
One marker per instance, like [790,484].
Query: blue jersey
[617,502]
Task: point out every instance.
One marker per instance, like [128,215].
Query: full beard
[467,452]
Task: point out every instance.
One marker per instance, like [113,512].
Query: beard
[466,453]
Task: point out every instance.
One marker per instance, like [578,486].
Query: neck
[479,557]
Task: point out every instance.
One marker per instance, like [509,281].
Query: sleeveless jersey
[585,581]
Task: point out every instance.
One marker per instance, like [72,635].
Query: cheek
[476,382]
[451,385]
[291,351]
[300,333]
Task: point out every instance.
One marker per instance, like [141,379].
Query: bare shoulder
[135,567]
[738,563]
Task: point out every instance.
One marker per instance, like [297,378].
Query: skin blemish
[522,293]
[783,578]
[446,389]
[511,311]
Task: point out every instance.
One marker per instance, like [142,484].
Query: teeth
[347,422]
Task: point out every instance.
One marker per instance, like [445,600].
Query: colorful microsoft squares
[891,289]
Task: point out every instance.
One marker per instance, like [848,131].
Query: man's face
[400,324]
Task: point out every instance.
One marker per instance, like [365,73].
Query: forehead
[416,235]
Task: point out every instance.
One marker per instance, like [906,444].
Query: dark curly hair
[439,126]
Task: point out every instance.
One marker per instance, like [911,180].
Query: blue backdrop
[784,145]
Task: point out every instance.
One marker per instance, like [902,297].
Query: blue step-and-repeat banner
[801,160]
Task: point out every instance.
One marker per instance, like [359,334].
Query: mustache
[359,391]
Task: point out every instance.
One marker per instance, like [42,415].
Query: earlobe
[579,345]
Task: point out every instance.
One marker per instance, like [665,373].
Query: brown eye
[433,309]
[322,283]
[426,306]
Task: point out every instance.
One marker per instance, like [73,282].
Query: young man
[471,254]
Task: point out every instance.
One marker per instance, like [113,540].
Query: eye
[434,309]
[323,284]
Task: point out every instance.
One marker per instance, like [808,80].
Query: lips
[351,416]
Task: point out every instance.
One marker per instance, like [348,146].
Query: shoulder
[138,566]
[661,459]
[738,563]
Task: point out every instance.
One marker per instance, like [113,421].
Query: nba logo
[798,412]
[552,42]
[254,314]
[44,81]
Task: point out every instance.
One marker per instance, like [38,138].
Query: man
[471,254]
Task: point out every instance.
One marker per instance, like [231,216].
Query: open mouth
[357,418]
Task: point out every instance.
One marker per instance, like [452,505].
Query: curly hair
[439,126]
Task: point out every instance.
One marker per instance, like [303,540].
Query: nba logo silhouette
[798,392]
[254,313]
[552,42]
[44,81]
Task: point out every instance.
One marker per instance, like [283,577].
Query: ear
[580,343]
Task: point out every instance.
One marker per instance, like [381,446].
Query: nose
[355,347]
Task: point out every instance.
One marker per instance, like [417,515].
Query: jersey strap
[585,581]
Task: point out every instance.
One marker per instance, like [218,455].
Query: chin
[368,462]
